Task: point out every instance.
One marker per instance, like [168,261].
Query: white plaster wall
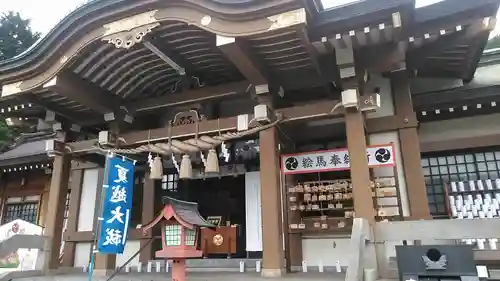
[88,200]
[82,254]
[326,250]
[460,128]
[253,212]
[131,248]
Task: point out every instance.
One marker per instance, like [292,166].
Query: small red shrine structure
[180,221]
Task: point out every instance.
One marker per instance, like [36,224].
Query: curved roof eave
[77,21]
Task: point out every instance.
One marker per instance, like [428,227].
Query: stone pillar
[410,146]
[272,223]
[54,221]
[148,214]
[76,182]
[104,264]
[360,173]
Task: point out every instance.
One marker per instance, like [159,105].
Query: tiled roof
[188,211]
[27,148]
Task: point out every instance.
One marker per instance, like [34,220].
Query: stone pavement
[193,277]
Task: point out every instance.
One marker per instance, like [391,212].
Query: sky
[46,14]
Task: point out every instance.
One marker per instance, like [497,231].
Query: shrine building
[282,119]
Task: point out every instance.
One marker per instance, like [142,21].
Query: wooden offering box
[221,240]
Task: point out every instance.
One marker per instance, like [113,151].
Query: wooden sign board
[186,118]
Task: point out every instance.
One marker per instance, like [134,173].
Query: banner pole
[100,216]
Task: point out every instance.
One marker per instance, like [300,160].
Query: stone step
[190,276]
[199,265]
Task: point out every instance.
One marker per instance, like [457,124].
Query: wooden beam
[163,46]
[320,109]
[84,92]
[191,96]
[238,52]
[313,54]
[383,58]
[330,64]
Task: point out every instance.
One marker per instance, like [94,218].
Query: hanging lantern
[212,165]
[186,170]
[156,169]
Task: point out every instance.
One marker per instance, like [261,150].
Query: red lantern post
[180,221]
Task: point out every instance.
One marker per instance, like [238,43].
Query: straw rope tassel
[212,158]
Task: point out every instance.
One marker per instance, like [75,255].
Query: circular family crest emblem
[291,163]
[15,228]
[218,240]
[382,155]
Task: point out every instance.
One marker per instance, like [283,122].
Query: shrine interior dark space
[216,197]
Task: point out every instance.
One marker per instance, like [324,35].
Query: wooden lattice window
[190,237]
[23,211]
[173,235]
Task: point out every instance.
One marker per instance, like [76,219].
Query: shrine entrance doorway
[221,200]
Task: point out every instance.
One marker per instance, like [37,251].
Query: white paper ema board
[335,160]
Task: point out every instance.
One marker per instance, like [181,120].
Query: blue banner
[117,207]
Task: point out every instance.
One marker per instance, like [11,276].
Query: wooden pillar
[3,196]
[294,243]
[272,224]
[44,202]
[76,182]
[148,214]
[360,174]
[54,221]
[410,147]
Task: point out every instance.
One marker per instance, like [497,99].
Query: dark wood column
[410,146]
[148,214]
[360,174]
[55,214]
[293,245]
[76,181]
[3,196]
[272,225]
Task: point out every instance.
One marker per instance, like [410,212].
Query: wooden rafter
[84,92]
[191,96]
[462,34]
[241,56]
[61,111]
[313,54]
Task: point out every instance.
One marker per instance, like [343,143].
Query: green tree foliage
[15,37]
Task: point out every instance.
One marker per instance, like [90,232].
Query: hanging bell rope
[194,145]
[156,172]
[156,166]
[186,169]
[212,165]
